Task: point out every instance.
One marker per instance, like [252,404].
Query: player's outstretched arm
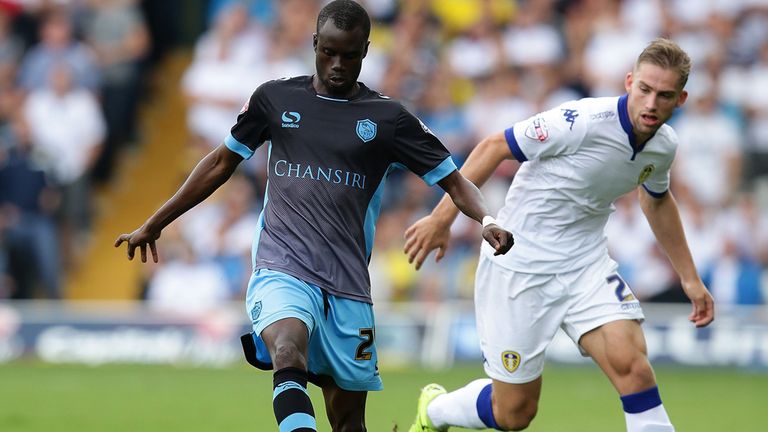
[209,174]
[664,219]
[478,168]
[433,232]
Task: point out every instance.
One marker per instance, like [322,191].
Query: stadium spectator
[531,39]
[755,103]
[263,11]
[414,38]
[446,119]
[226,58]
[478,51]
[705,235]
[499,97]
[735,275]
[58,44]
[288,53]
[28,230]
[220,231]
[186,284]
[610,49]
[643,16]
[11,45]
[735,278]
[709,159]
[116,32]
[67,131]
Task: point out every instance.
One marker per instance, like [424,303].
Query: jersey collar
[626,124]
[361,91]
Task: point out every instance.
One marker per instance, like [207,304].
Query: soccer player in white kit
[576,160]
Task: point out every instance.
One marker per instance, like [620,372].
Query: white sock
[644,412]
[652,420]
[459,407]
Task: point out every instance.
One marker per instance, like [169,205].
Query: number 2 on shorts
[361,353]
[620,288]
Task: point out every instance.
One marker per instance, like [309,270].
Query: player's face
[654,93]
[338,58]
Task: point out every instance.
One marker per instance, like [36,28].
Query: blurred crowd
[467,68]
[70,74]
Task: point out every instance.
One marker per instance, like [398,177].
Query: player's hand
[500,239]
[140,238]
[423,237]
[703,304]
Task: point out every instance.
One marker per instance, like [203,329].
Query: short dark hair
[347,15]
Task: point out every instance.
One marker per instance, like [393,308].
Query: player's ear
[682,98]
[628,82]
[365,51]
[314,41]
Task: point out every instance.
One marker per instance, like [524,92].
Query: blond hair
[668,55]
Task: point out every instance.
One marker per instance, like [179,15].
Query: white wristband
[487,220]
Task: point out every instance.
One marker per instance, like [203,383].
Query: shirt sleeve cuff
[509,134]
[654,194]
[236,146]
[439,172]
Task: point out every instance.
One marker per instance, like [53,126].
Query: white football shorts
[518,313]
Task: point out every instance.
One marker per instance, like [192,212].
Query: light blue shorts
[341,331]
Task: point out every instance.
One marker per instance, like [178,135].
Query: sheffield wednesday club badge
[366,130]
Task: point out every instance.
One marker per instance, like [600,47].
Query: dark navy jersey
[328,159]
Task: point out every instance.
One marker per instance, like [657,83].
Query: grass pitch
[37,397]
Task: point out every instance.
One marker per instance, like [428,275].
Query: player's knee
[288,355]
[639,367]
[633,372]
[518,417]
[642,373]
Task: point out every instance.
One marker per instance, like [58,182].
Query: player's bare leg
[287,341]
[515,405]
[619,349]
[345,409]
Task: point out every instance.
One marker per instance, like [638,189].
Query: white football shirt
[578,158]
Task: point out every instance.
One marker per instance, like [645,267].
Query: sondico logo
[291,119]
[511,360]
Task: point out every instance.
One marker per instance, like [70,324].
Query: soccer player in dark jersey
[332,143]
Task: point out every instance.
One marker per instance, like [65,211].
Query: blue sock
[643,411]
[290,400]
[641,401]
[485,408]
